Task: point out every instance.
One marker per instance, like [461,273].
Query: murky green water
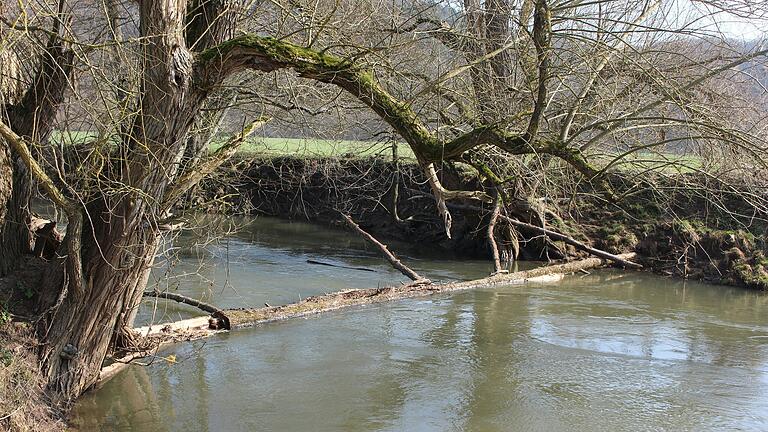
[606,352]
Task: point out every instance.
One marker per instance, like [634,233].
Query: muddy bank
[391,201]
[684,234]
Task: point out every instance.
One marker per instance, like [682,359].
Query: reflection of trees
[501,319]
[128,402]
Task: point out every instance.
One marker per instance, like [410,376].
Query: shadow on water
[611,351]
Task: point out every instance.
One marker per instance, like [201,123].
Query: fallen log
[197,328]
[219,319]
[240,318]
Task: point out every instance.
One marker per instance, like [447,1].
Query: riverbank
[24,406]
[693,234]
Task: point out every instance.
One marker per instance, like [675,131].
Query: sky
[729,24]
[740,28]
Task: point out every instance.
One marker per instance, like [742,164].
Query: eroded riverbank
[695,234]
[610,351]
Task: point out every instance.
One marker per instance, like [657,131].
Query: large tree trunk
[119,246]
[33,118]
[85,323]
[15,237]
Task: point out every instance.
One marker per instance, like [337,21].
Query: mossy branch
[269,54]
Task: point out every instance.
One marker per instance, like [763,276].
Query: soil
[23,402]
[685,234]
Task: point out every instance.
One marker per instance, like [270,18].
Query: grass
[666,162]
[274,147]
[311,147]
[669,163]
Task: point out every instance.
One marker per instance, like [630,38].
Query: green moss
[754,276]
[277,50]
[617,238]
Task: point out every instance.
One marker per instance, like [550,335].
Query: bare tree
[543,92]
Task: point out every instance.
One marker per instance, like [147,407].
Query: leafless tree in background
[536,95]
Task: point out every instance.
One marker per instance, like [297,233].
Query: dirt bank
[683,234]
[23,403]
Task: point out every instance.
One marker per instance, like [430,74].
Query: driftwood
[219,319]
[197,328]
[396,263]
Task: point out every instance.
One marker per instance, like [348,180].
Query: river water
[611,351]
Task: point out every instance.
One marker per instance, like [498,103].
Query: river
[611,351]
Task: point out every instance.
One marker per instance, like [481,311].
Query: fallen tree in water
[164,335]
[393,260]
[240,318]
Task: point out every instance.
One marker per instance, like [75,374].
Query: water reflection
[607,352]
[246,263]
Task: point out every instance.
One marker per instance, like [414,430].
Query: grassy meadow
[324,148]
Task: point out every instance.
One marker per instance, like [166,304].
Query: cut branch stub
[221,319]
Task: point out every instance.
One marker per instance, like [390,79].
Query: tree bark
[120,243]
[85,323]
[6,190]
[33,119]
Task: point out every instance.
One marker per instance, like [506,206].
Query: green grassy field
[262,146]
[312,147]
[308,147]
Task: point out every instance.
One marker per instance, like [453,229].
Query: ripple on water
[607,352]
